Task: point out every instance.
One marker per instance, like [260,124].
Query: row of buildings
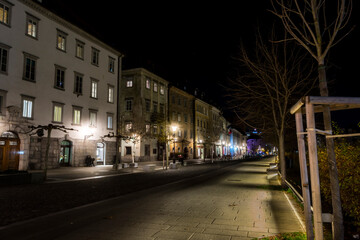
[53,72]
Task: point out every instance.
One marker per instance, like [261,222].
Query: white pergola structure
[315,104]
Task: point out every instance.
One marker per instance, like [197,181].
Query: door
[9,151]
[65,153]
[100,154]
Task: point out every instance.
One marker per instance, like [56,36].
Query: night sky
[194,45]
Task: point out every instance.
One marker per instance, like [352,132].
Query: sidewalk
[65,174]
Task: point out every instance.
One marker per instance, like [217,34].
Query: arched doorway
[100,154]
[65,153]
[9,151]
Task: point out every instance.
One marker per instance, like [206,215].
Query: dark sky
[194,44]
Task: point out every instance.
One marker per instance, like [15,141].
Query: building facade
[202,128]
[143,109]
[52,72]
[181,122]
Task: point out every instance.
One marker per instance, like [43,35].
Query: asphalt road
[235,202]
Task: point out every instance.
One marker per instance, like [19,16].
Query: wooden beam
[304,176]
[333,100]
[314,170]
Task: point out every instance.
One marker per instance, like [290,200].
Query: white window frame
[109,121]
[79,49]
[61,37]
[92,118]
[5,6]
[32,26]
[27,106]
[129,83]
[58,109]
[155,87]
[147,83]
[77,115]
[94,87]
[111,89]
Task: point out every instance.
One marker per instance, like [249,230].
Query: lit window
[147,83]
[76,115]
[179,133]
[162,89]
[4,58]
[79,49]
[147,128]
[5,12]
[59,77]
[32,24]
[155,87]
[61,40]
[155,129]
[92,118]
[29,67]
[27,106]
[111,65]
[129,83]
[95,56]
[179,117]
[110,117]
[110,94]
[128,126]
[58,112]
[94,88]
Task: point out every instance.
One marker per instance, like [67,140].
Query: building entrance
[9,151]
[65,153]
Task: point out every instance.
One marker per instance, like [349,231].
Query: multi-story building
[52,72]
[143,108]
[202,126]
[181,122]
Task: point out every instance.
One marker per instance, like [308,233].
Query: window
[147,83]
[78,80]
[147,128]
[4,56]
[58,109]
[61,40]
[162,108]
[128,126]
[5,12]
[174,116]
[128,150]
[179,101]
[110,94]
[76,115]
[27,106]
[185,133]
[179,133]
[162,89]
[147,105]
[92,117]
[128,104]
[111,65]
[129,83]
[155,106]
[95,56]
[29,67]
[94,88]
[155,129]
[79,49]
[59,77]
[185,117]
[32,24]
[2,102]
[185,103]
[173,99]
[155,87]
[109,117]
[179,117]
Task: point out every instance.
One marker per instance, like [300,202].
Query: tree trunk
[282,157]
[333,172]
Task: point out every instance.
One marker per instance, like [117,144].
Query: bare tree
[263,96]
[309,23]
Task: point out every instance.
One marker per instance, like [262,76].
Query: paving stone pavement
[242,204]
[239,204]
